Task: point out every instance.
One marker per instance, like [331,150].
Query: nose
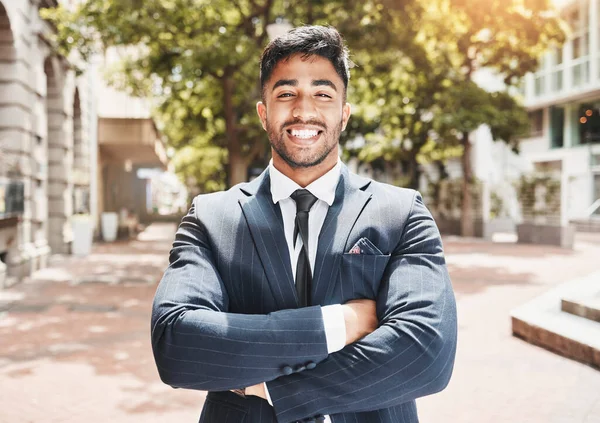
[304,109]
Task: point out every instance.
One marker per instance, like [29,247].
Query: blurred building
[69,145]
[128,141]
[563,98]
[44,142]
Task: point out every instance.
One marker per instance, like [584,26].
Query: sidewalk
[499,378]
[75,346]
[74,339]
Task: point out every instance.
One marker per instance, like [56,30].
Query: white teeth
[304,133]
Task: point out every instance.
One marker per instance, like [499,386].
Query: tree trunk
[413,172]
[467,225]
[238,168]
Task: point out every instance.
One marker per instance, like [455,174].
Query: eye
[323,95]
[285,95]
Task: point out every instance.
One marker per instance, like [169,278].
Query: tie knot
[304,200]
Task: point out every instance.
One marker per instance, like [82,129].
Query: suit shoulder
[218,200]
[395,193]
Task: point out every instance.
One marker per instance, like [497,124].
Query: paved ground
[74,339]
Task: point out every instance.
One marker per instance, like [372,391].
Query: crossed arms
[198,344]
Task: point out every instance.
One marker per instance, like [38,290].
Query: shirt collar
[323,188]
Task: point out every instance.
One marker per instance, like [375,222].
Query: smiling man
[309,294]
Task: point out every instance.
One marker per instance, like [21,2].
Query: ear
[261,109]
[346,112]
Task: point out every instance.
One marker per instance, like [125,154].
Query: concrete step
[542,322]
[591,224]
[584,304]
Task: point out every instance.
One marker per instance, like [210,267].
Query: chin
[304,162]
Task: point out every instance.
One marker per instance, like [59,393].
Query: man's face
[304,112]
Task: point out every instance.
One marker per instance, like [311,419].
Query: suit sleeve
[410,355]
[197,344]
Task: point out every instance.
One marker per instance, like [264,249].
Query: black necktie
[304,201]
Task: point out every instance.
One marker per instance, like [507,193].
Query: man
[309,294]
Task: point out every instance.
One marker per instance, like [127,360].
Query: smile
[304,134]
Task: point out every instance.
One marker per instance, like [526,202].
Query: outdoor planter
[110,226]
[535,233]
[83,233]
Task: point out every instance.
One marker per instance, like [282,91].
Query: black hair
[307,41]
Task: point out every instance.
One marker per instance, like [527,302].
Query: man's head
[304,77]
[306,41]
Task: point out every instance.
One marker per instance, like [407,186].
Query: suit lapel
[266,226]
[350,200]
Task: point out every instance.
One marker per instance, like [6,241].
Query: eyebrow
[315,83]
[324,82]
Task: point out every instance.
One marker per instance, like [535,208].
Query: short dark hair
[314,40]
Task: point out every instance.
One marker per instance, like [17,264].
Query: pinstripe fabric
[225,313]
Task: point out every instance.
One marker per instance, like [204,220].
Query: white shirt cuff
[335,327]
[267,394]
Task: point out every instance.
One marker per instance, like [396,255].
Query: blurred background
[114,114]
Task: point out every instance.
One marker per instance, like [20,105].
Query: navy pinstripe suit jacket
[226,315]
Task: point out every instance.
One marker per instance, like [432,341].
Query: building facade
[45,142]
[129,144]
[563,98]
[563,101]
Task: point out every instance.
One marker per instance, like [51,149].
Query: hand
[360,317]
[257,391]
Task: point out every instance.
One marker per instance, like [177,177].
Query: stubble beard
[303,158]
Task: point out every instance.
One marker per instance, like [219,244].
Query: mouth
[304,136]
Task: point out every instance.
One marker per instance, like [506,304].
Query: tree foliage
[413,87]
[199,59]
[507,37]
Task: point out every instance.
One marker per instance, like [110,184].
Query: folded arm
[197,344]
[410,355]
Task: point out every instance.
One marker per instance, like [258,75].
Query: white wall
[111,102]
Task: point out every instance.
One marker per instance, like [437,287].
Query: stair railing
[592,209]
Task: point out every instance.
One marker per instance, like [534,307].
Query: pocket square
[364,246]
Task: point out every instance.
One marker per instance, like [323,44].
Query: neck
[303,176]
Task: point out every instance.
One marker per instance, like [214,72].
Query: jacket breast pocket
[218,411]
[361,275]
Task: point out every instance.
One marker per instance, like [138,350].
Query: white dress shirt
[324,189]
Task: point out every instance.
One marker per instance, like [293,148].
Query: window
[557,126]
[581,73]
[556,70]
[536,123]
[573,18]
[580,46]
[589,123]
[540,85]
[578,20]
[597,192]
[557,54]
[557,80]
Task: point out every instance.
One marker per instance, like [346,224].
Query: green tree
[400,91]
[505,36]
[422,97]
[199,60]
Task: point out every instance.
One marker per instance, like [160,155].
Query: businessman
[309,294]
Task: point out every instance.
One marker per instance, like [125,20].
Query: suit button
[287,370]
[310,421]
[321,418]
[310,365]
[300,369]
